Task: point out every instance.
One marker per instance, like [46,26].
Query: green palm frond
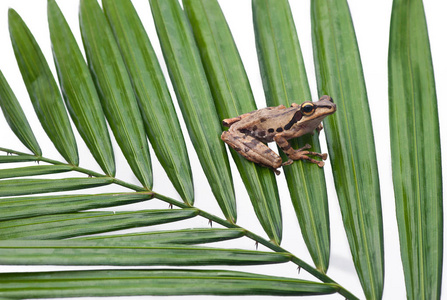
[71,208]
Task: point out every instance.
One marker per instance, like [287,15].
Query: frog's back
[265,123]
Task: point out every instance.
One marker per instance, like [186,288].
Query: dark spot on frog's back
[255,128]
[271,130]
[245,131]
[261,133]
[279,129]
[262,120]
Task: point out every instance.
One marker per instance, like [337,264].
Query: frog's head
[318,110]
[310,114]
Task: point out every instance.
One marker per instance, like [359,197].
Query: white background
[371,20]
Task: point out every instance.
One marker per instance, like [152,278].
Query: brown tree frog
[247,133]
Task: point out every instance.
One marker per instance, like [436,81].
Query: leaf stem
[269,244]
[79,169]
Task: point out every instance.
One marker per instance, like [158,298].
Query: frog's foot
[277,172]
[301,153]
[305,155]
[229,122]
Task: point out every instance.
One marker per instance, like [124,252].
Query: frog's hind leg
[253,150]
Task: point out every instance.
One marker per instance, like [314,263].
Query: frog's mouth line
[333,106]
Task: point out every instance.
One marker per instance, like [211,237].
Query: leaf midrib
[420,256]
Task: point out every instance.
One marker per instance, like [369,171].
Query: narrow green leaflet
[153,282]
[24,207]
[79,90]
[233,97]
[17,158]
[15,187]
[42,89]
[195,99]
[350,139]
[67,225]
[105,252]
[415,150]
[285,82]
[115,89]
[184,236]
[159,116]
[16,118]
[34,170]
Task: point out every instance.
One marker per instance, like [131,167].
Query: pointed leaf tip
[16,118]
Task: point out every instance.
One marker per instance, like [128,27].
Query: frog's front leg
[319,128]
[252,149]
[298,154]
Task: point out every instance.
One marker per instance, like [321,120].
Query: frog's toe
[286,163]
[305,147]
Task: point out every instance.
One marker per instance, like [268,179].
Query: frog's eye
[307,109]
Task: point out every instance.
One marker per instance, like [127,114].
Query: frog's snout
[326,98]
[328,102]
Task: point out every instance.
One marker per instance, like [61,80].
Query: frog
[249,133]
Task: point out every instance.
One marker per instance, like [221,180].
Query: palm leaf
[42,88]
[18,207]
[16,118]
[153,282]
[350,139]
[195,99]
[416,151]
[115,89]
[49,216]
[233,97]
[106,252]
[59,226]
[285,81]
[43,221]
[161,122]
[33,170]
[184,236]
[79,90]
[15,187]
[16,158]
